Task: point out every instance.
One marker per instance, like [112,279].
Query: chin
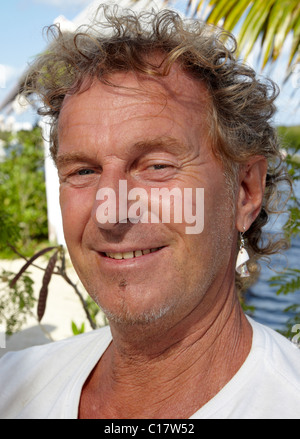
[130,318]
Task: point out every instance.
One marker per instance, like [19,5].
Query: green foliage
[270,20]
[16,292]
[8,230]
[290,137]
[289,281]
[16,301]
[23,209]
[94,311]
[23,219]
[76,330]
[293,325]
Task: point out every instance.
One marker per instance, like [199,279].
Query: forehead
[135,101]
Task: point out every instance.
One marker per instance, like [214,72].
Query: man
[158,104]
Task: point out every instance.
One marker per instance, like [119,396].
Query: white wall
[55,229]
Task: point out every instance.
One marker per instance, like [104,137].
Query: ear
[252,183]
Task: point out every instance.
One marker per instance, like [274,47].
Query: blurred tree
[23,208]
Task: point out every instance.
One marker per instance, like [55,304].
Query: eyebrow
[72,157]
[168,144]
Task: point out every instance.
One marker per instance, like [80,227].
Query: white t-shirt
[45,382]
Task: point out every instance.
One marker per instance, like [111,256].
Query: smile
[131,254]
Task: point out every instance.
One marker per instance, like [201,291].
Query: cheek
[214,212]
[76,212]
[219,221]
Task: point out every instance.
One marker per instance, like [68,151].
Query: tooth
[117,255]
[128,255]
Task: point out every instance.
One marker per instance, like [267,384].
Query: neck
[173,371]
[203,326]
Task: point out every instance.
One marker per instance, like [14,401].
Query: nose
[110,204]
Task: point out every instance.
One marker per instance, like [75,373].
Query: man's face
[153,133]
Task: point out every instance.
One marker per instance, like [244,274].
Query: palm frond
[272,20]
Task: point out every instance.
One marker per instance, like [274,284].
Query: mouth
[130,254]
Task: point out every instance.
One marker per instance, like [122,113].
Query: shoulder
[277,375]
[47,370]
[57,350]
[267,386]
[279,353]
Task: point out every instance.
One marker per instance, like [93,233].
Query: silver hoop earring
[243,257]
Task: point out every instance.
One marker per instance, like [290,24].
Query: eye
[81,177]
[158,171]
[85,171]
[157,167]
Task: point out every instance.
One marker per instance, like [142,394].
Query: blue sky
[22,22]
[21,32]
[21,38]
